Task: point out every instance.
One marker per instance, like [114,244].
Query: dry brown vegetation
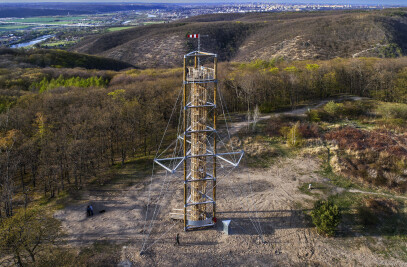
[365,148]
[246,37]
[380,141]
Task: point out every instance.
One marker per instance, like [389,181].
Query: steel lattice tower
[196,79]
[199,142]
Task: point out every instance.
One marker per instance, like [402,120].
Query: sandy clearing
[267,228]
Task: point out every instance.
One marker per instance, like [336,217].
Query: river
[33,42]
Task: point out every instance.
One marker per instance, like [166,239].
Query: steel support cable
[250,206]
[149,197]
[160,198]
[259,232]
[256,225]
[224,117]
[251,192]
[156,211]
[145,248]
[178,134]
[159,238]
[169,121]
[154,214]
[223,110]
[227,128]
[158,149]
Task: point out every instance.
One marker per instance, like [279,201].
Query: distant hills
[22,10]
[18,12]
[245,37]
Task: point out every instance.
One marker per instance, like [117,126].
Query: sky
[364,2]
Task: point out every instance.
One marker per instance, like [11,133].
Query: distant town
[79,20]
[194,10]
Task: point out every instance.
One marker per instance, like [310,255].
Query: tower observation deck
[201,74]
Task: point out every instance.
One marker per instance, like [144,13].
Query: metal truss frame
[185,138]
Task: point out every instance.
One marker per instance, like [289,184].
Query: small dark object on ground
[177,240]
[89,210]
[102,211]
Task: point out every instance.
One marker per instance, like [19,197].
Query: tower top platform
[200,54]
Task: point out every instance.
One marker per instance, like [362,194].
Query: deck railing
[200,74]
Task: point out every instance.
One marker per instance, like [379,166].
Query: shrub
[267,107]
[274,126]
[333,109]
[326,217]
[354,109]
[393,111]
[309,130]
[313,116]
[284,131]
[294,137]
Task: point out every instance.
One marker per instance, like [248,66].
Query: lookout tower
[196,82]
[199,140]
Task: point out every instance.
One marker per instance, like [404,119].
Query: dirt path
[374,193]
[237,126]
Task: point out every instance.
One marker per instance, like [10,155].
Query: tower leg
[214,140]
[184,102]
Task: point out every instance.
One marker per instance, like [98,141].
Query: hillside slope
[11,58]
[244,37]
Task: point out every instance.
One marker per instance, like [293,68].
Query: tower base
[208,222]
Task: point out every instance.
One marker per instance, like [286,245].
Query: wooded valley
[63,128]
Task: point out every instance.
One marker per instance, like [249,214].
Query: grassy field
[52,20]
[13,27]
[59,43]
[153,22]
[114,29]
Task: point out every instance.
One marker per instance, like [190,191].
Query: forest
[64,128]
